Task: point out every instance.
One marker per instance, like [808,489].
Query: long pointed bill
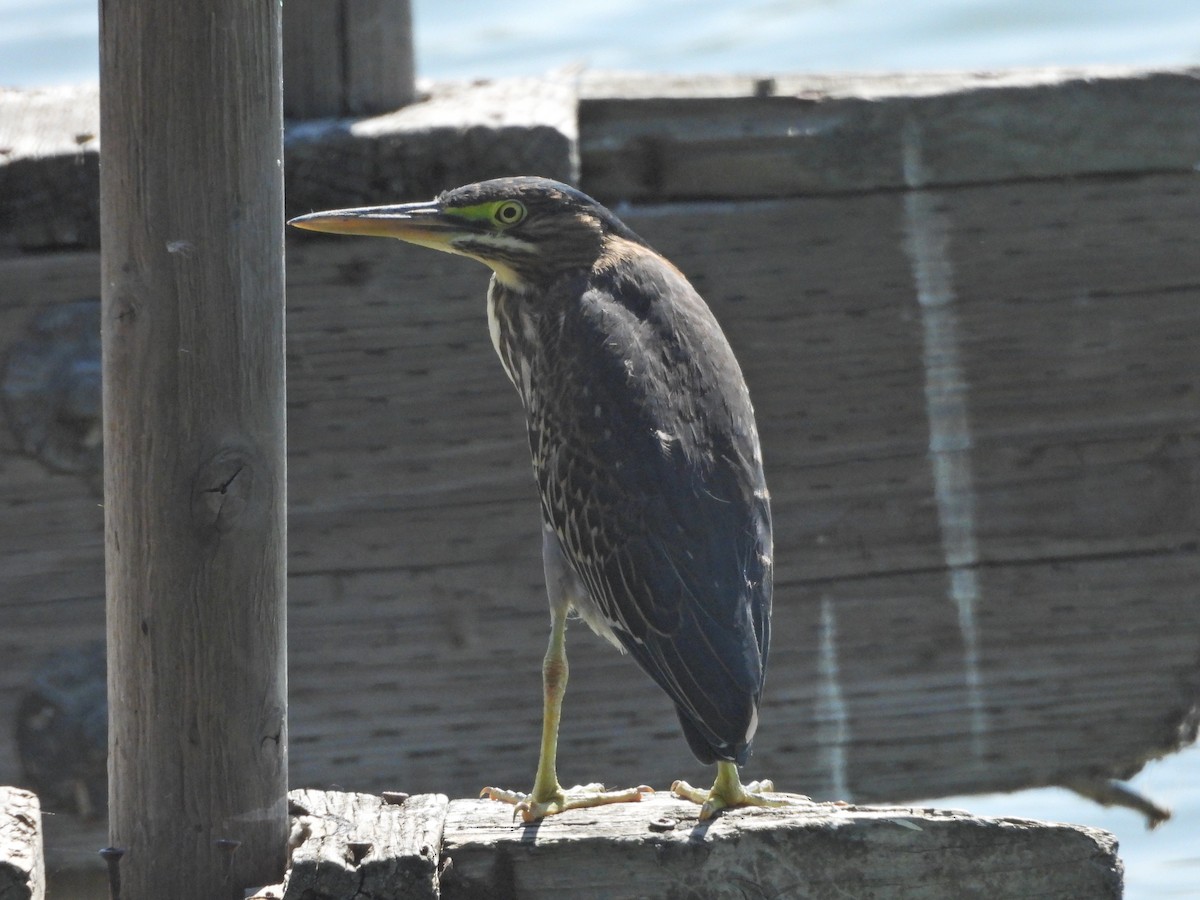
[417,223]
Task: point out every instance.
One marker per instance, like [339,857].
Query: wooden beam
[347,57]
[192,319]
[357,846]
[661,138]
[728,137]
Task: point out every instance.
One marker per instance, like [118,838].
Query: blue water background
[45,42]
[54,41]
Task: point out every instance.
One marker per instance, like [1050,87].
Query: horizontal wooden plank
[639,137]
[655,847]
[869,693]
[728,137]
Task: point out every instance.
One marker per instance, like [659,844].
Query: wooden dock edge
[628,137]
[733,138]
[354,846]
[22,871]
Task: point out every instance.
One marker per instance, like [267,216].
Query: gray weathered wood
[472,850]
[22,871]
[50,167]
[458,133]
[49,161]
[195,493]
[737,137]
[347,57]
[359,845]
[649,138]
[380,63]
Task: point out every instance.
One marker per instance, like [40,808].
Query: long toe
[532,808]
[500,794]
[685,791]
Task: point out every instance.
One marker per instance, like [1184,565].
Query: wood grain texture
[194,446]
[725,137]
[472,850]
[380,62]
[359,845]
[22,870]
[313,59]
[344,58]
[646,138]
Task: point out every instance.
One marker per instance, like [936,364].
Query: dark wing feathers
[652,427]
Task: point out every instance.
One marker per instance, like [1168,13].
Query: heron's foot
[531,807]
[728,792]
[713,800]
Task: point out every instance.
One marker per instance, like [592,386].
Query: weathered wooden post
[347,57]
[195,492]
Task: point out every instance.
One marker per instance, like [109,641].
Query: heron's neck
[512,329]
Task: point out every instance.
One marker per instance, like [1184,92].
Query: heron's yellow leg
[548,796]
[728,792]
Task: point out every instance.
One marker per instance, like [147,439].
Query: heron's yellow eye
[510,212]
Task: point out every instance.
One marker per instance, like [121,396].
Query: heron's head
[528,230]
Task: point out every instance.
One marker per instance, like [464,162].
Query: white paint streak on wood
[833,719]
[927,231]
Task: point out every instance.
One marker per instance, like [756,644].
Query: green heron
[657,523]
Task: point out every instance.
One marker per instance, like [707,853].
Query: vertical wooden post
[195,490]
[347,57]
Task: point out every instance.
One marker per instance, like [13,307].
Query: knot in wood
[227,493]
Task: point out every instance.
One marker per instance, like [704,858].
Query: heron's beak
[416,223]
